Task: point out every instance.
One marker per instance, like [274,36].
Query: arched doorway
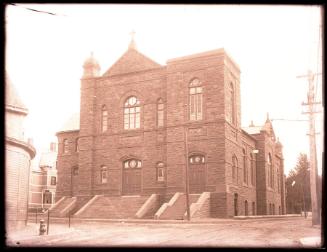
[131,177]
[235,204]
[196,173]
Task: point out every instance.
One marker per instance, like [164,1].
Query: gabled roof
[13,100]
[131,61]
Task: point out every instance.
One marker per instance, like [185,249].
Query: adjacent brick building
[18,155]
[138,120]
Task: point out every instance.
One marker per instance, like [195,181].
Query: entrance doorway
[132,177]
[197,174]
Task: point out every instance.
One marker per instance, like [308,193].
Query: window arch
[269,170]
[231,105]
[197,159]
[132,163]
[132,111]
[65,146]
[245,171]
[234,168]
[195,102]
[104,119]
[160,172]
[104,174]
[160,112]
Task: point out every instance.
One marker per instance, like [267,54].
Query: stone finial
[132,44]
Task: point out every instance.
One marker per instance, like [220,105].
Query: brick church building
[143,126]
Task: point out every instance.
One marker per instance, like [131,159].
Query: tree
[298,197]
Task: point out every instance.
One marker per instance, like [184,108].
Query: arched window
[132,113]
[104,119]
[65,146]
[245,171]
[160,113]
[252,169]
[269,170]
[104,174]
[132,163]
[160,172]
[231,105]
[196,159]
[195,103]
[235,204]
[234,168]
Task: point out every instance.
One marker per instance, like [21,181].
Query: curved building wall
[17,178]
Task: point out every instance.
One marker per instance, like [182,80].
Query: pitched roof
[131,61]
[71,124]
[13,100]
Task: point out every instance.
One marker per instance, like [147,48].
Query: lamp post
[186,176]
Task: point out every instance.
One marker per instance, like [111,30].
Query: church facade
[150,129]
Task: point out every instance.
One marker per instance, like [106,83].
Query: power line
[45,12]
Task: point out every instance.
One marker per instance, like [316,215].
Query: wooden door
[197,178]
[132,178]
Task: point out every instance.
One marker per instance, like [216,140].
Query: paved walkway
[269,232]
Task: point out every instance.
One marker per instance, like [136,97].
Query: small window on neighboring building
[65,146]
[104,174]
[53,180]
[160,172]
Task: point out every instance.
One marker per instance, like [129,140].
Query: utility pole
[187,176]
[312,141]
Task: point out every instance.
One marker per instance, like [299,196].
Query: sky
[272,45]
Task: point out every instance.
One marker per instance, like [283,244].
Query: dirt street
[286,232]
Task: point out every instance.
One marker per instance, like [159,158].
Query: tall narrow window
[234,168]
[195,103]
[77,145]
[160,113]
[231,105]
[132,113]
[246,208]
[104,174]
[160,172]
[252,169]
[65,148]
[278,180]
[104,119]
[269,171]
[253,208]
[245,172]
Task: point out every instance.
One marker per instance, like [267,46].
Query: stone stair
[176,207]
[105,207]
[63,207]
